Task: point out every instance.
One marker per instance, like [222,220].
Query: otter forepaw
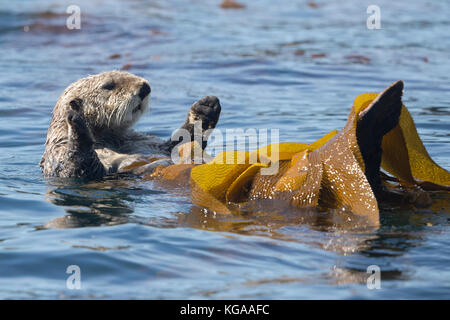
[80,159]
[207,110]
[79,134]
[75,120]
[202,117]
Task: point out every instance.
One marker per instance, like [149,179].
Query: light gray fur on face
[110,100]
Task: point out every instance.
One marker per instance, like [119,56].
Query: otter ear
[76,104]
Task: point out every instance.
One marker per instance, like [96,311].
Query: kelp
[340,170]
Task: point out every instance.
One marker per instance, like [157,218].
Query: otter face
[111,101]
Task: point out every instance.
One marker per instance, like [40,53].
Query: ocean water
[287,65]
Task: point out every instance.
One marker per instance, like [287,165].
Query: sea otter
[91,135]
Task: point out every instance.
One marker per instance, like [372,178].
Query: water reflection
[106,202]
[112,201]
[400,232]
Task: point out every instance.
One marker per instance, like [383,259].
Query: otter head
[110,101]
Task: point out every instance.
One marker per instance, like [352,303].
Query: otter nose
[144,91]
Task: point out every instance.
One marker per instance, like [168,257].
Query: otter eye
[109,86]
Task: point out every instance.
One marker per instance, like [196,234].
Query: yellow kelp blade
[303,181]
[227,176]
[295,176]
[317,144]
[344,183]
[205,199]
[278,151]
[404,154]
[286,150]
[395,158]
[215,177]
[363,101]
[233,157]
[422,166]
[238,189]
[210,182]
